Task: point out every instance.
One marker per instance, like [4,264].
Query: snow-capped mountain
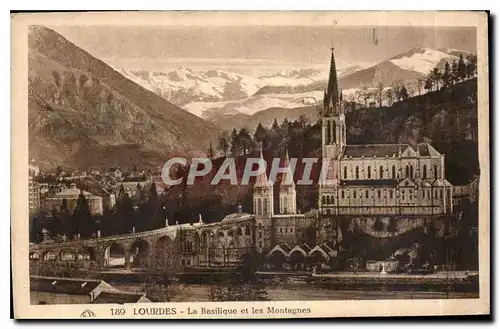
[423,60]
[184,86]
[209,93]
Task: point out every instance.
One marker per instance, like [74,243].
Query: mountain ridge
[85,111]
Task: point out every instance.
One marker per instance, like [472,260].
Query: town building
[71,196]
[33,186]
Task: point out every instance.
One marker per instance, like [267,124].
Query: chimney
[98,233]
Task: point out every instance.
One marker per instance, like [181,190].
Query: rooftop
[64,285]
[389,150]
[119,297]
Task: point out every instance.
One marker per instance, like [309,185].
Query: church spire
[332,89]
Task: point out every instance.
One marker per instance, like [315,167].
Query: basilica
[371,181]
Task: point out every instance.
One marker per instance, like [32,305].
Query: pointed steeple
[288,172]
[332,89]
[262,178]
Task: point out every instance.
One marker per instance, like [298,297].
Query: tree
[65,218]
[235,143]
[428,84]
[224,143]
[461,68]
[245,140]
[55,226]
[152,211]
[211,152]
[380,93]
[446,76]
[471,66]
[435,76]
[261,135]
[82,218]
[125,213]
[389,96]
[419,86]
[454,72]
[402,93]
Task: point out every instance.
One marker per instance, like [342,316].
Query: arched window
[259,207]
[265,206]
[381,172]
[345,172]
[378,194]
[411,171]
[436,172]
[407,171]
[393,172]
[391,194]
[357,172]
[334,134]
[354,195]
[424,172]
[369,172]
[366,194]
[328,134]
[342,194]
[323,199]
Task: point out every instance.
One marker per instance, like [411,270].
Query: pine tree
[211,152]
[224,143]
[454,72]
[380,93]
[261,135]
[471,66]
[403,93]
[389,97]
[435,76]
[125,213]
[245,140]
[154,218]
[461,68]
[275,126]
[55,225]
[65,217]
[446,76]
[235,143]
[82,218]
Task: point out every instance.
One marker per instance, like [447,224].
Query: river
[302,291]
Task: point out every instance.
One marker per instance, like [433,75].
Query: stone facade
[377,179]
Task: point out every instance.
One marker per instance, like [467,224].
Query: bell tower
[333,118]
[333,135]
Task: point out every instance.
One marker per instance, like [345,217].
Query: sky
[263,47]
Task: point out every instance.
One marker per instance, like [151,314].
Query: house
[71,196]
[58,290]
[121,297]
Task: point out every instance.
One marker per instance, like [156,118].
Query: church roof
[331,93]
[369,182]
[262,180]
[389,150]
[287,178]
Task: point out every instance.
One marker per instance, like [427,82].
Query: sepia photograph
[275,157]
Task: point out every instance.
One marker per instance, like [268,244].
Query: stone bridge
[216,244]
[134,249]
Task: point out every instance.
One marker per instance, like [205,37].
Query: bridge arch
[138,252]
[115,255]
[86,253]
[49,255]
[66,255]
